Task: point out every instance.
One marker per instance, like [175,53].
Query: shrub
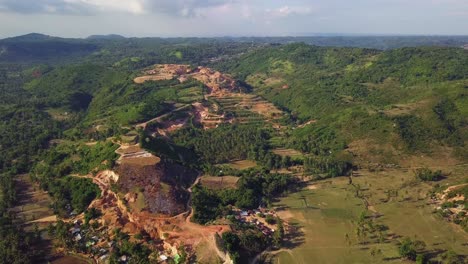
[407,249]
[426,174]
[270,219]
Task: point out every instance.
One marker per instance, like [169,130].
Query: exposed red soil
[215,81]
[166,219]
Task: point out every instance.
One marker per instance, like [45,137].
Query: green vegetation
[78,158]
[231,142]
[24,133]
[246,243]
[57,94]
[350,92]
[408,249]
[425,174]
[73,193]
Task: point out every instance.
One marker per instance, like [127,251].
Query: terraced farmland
[246,108]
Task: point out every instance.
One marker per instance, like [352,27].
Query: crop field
[288,152]
[232,105]
[247,108]
[242,164]
[327,215]
[218,183]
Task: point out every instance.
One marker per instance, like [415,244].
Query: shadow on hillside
[430,254]
[294,237]
[24,192]
[391,258]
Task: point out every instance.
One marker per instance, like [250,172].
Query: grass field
[327,211]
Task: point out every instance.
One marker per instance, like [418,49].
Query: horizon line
[299,35]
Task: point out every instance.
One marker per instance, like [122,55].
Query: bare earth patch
[142,79]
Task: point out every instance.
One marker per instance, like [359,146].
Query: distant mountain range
[110,36]
[36,47]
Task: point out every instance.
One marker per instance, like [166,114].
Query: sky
[208,18]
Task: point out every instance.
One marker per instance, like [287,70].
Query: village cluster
[258,218]
[99,247]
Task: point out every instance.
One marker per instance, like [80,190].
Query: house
[123,258]
[163,257]
[90,243]
[78,237]
[75,230]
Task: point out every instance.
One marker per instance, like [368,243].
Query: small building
[90,243]
[163,257]
[123,258]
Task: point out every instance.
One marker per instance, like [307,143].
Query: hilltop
[106,37]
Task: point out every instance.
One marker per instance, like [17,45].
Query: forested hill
[409,98]
[372,42]
[37,48]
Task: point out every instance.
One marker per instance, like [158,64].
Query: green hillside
[357,139]
[412,98]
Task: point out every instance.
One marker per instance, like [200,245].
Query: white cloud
[130,6]
[286,11]
[170,7]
